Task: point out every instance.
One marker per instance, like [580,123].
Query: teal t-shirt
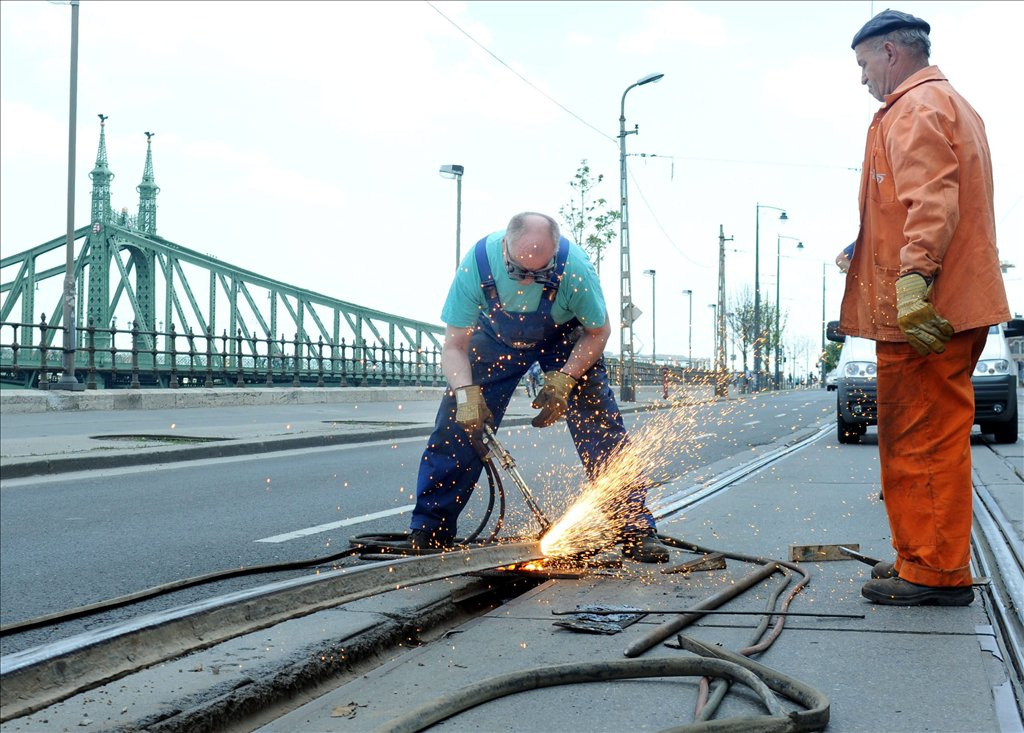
[579,293]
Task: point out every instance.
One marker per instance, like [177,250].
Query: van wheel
[1005,432]
[846,432]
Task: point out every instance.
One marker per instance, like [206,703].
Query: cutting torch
[496,452]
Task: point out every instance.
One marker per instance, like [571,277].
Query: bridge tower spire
[146,220]
[101,178]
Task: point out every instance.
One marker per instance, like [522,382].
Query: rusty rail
[36,678]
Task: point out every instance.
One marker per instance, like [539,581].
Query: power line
[663,231]
[523,78]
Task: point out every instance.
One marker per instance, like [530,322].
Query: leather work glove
[553,400]
[472,413]
[925,329]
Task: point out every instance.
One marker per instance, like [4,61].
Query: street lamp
[456,171]
[689,338]
[654,320]
[68,380]
[714,333]
[627,387]
[758,334]
[778,274]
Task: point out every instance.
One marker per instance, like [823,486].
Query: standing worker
[522,295]
[923,282]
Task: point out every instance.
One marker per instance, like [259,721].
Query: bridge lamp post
[689,338]
[758,334]
[654,320]
[68,380]
[778,273]
[455,171]
[627,381]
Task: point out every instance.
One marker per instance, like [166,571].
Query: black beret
[887,21]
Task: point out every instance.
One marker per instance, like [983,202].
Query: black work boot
[425,539]
[899,592]
[884,570]
[644,548]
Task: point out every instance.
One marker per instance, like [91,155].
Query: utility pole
[68,380]
[721,380]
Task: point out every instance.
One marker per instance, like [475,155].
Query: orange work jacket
[926,206]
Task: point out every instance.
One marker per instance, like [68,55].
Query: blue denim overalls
[501,350]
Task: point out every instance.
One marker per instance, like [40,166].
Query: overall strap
[551,287]
[487,283]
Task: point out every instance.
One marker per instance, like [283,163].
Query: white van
[995,384]
[994,379]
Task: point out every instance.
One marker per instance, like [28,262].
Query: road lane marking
[334,525]
[747,424]
[198,463]
[782,414]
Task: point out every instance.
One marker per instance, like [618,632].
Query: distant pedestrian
[923,282]
[534,379]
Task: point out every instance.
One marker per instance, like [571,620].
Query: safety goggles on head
[542,276]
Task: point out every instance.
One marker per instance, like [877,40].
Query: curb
[232,447]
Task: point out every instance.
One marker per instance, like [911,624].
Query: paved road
[115,531]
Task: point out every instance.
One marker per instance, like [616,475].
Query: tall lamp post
[689,338]
[627,386]
[823,326]
[456,171]
[654,319]
[778,274]
[714,334]
[758,333]
[68,380]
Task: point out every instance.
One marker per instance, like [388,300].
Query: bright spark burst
[609,504]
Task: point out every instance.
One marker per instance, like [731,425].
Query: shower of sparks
[605,508]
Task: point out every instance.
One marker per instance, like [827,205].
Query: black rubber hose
[778,721]
[383,546]
[61,616]
[816,703]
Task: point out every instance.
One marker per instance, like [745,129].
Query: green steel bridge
[194,320]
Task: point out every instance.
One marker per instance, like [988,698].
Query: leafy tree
[740,319]
[830,357]
[589,220]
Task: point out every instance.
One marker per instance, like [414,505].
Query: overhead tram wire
[523,78]
[662,228]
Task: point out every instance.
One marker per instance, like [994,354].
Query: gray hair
[518,224]
[913,39]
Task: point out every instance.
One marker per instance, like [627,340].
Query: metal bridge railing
[110,358]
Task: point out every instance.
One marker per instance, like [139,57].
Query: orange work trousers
[925,414]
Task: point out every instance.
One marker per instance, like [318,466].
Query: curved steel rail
[33,679]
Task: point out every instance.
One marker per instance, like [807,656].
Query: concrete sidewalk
[356,667]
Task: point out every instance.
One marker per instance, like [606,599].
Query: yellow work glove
[471,412]
[925,329]
[553,400]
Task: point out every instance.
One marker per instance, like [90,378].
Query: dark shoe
[425,539]
[899,592]
[646,548]
[884,570]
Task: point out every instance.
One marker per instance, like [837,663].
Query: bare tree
[590,221]
[740,318]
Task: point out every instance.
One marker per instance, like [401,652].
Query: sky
[302,140]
